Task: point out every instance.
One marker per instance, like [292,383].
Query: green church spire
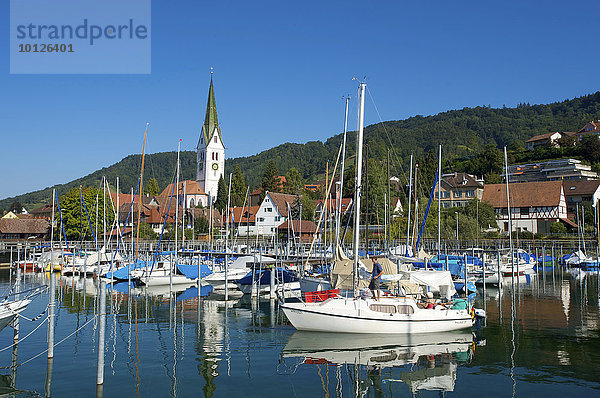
[211,122]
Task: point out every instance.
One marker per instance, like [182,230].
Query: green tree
[201,226]
[16,207]
[590,148]
[377,189]
[152,188]
[481,211]
[238,187]
[308,208]
[558,228]
[222,192]
[146,232]
[294,183]
[269,180]
[349,182]
[74,215]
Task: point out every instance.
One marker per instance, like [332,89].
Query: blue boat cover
[191,270]
[265,277]
[123,272]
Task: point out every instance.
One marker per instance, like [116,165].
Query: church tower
[210,158]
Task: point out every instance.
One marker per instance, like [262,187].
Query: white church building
[210,160]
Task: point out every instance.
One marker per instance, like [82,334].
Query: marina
[538,337]
[442,239]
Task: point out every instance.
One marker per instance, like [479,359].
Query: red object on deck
[315,297]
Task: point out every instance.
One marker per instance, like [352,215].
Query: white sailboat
[236,271]
[399,315]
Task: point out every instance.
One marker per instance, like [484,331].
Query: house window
[212,155]
[524,211]
[215,139]
[445,194]
[470,194]
[272,229]
[458,194]
[506,226]
[277,218]
[268,209]
[261,219]
[505,211]
[192,203]
[217,156]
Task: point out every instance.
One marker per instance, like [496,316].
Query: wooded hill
[463,133]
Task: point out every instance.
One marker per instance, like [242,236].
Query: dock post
[499,274]
[272,281]
[544,266]
[10,268]
[101,332]
[51,305]
[466,275]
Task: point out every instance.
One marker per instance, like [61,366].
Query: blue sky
[281,69]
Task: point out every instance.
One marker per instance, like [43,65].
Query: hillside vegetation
[463,133]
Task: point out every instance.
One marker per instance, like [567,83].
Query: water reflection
[427,361]
[190,341]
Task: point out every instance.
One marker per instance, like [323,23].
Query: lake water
[546,342]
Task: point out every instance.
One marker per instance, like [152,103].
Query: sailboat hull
[340,315]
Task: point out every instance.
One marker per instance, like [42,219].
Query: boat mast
[410,184]
[176,200]
[439,189]
[137,240]
[227,241]
[359,155]
[510,242]
[339,204]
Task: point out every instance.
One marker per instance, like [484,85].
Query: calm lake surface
[545,342]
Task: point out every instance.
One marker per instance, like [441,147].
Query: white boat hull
[161,280]
[339,315]
[266,289]
[9,310]
[217,279]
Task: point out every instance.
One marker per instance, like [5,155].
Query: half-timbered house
[534,206]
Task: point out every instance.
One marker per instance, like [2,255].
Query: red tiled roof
[458,180]
[332,203]
[239,213]
[24,226]
[280,200]
[308,227]
[541,137]
[42,210]
[205,213]
[191,188]
[570,133]
[576,188]
[595,124]
[524,194]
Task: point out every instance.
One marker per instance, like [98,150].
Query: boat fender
[479,312]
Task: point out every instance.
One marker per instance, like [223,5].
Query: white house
[272,212]
[543,139]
